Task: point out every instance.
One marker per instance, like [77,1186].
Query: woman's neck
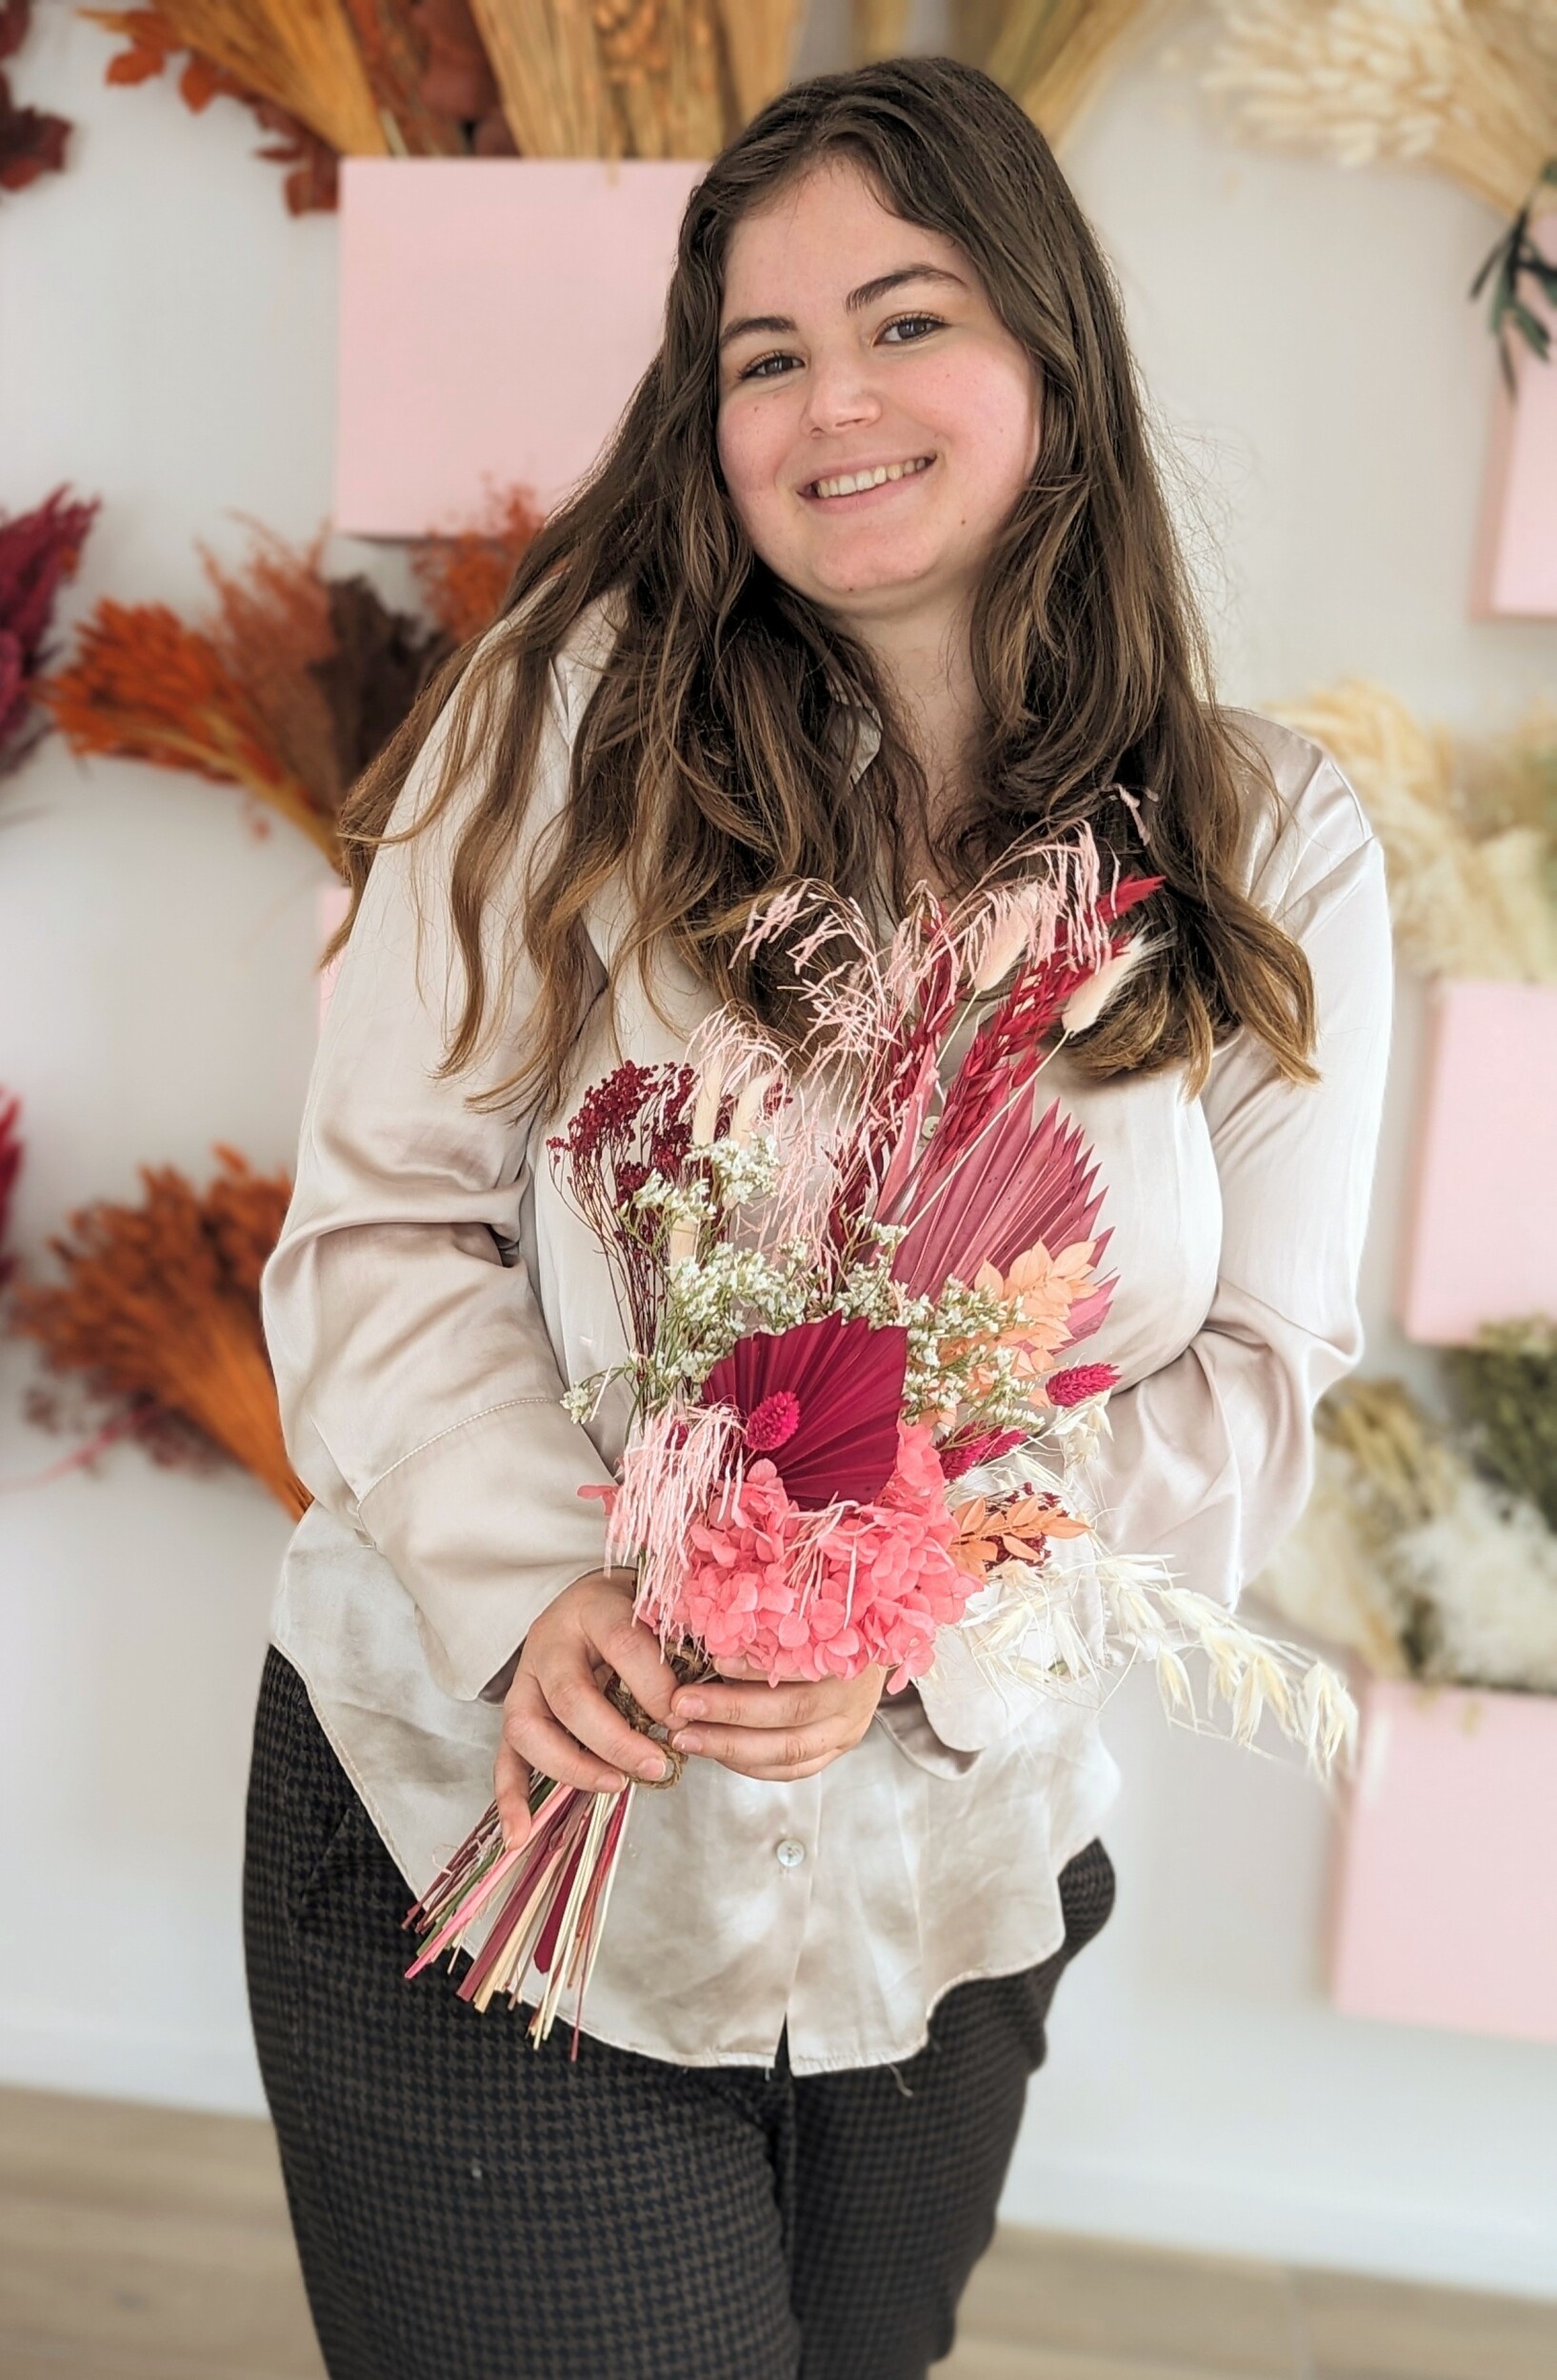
[929,667]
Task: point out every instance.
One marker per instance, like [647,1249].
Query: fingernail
[655,1767]
[687,1740]
[690,1707]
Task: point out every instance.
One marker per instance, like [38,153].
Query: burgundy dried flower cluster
[31,141]
[39,550]
[636,1120]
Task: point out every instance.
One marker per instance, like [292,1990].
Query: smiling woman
[875,584]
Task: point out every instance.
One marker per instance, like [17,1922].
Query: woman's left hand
[776,1732]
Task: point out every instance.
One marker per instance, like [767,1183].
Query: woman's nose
[841,395]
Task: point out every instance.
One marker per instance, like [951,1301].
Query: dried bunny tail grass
[1444,83]
[546,58]
[1462,906]
[302,55]
[1053,54]
[760,37]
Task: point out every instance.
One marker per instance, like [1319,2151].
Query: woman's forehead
[823,235]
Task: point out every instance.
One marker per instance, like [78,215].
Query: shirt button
[790,1853]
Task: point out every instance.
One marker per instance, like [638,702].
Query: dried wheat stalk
[760,38]
[546,58]
[302,55]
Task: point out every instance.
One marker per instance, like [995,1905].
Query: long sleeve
[419,1389]
[1209,1458]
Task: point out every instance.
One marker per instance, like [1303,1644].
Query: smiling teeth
[851,483]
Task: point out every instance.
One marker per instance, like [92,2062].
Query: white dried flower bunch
[1410,1558]
[1469,87]
[1469,857]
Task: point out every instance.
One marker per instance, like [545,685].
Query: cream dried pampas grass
[1467,88]
[1470,894]
[1486,1571]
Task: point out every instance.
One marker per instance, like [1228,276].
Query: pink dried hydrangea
[764,1585]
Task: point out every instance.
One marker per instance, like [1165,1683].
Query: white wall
[166,335]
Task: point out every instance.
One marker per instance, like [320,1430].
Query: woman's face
[877,420]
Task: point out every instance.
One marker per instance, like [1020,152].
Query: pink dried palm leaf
[845,1381]
[1021,1185]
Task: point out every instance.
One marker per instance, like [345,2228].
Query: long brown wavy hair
[708,767]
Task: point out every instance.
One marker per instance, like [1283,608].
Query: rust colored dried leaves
[159,1318]
[464,578]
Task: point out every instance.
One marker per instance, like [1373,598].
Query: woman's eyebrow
[856,302]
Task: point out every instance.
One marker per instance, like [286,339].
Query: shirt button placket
[790,1854]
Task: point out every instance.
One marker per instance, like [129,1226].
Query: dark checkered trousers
[467,2208]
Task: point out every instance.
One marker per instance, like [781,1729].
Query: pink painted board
[1446,1903]
[1514,573]
[1482,1245]
[496,314]
[335,901]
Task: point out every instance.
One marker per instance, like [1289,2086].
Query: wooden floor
[141,2243]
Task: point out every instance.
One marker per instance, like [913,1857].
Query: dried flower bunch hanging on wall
[1468,830]
[293,681]
[39,551]
[31,140]
[1423,1547]
[156,1324]
[1053,55]
[1468,87]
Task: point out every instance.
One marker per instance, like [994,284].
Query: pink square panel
[1483,1242]
[1445,1912]
[496,316]
[1516,567]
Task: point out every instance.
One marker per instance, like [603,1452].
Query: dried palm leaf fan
[546,58]
[1052,54]
[1467,86]
[302,55]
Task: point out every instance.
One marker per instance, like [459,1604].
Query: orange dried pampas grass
[462,579]
[158,1317]
[145,685]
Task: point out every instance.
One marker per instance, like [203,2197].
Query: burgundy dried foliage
[39,550]
[457,77]
[379,661]
[11,1166]
[31,141]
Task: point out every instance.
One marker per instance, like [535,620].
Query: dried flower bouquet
[853,1288]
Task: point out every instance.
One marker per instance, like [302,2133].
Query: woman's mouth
[842,483]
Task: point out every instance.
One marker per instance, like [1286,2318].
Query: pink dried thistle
[959,1455]
[1073,1387]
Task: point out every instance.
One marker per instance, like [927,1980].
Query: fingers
[533,1733]
[774,1755]
[633,1653]
[557,1718]
[510,1790]
[759,1705]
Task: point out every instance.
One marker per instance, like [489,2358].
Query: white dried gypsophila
[742,1170]
[1486,1569]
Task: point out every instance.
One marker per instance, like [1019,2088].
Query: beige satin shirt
[431,1293]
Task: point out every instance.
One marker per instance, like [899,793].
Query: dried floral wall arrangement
[293,681]
[1467,87]
[31,141]
[1053,55]
[1422,1548]
[39,550]
[1468,830]
[155,1325]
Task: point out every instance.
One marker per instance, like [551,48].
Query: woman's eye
[909,327]
[765,367]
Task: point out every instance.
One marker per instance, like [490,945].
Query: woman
[876,578]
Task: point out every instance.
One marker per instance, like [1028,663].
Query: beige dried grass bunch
[635,78]
[1410,1558]
[1053,54]
[878,29]
[1469,854]
[302,55]
[1469,87]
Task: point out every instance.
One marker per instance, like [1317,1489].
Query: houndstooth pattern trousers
[468,2210]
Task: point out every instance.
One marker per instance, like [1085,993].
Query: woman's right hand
[555,1716]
